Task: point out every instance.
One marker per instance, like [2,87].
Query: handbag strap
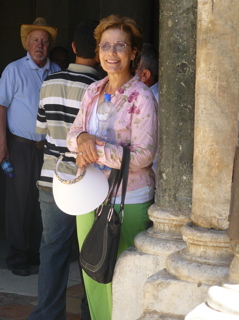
[112,180]
[122,176]
[125,178]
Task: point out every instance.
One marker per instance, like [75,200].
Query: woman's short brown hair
[127,25]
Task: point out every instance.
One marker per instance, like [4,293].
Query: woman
[119,43]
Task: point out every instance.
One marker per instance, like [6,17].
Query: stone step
[165,294]
[156,316]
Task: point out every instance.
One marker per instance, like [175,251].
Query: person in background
[119,43]
[60,101]
[60,56]
[148,68]
[148,73]
[19,98]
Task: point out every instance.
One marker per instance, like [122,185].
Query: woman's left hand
[87,152]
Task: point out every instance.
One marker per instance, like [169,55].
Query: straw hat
[38,24]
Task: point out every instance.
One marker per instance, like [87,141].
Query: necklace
[106,86]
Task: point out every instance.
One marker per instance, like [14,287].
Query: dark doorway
[66,14]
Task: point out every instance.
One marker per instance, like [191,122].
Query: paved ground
[18,295]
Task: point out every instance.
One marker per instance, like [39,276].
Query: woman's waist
[137,196]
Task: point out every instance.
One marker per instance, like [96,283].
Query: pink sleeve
[77,127]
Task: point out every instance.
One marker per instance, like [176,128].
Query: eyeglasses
[119,46]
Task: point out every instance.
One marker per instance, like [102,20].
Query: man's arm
[3,133]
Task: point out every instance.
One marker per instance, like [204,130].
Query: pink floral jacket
[135,126]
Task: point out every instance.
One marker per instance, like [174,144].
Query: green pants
[135,220]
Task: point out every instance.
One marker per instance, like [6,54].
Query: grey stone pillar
[176,122]
[176,114]
[176,125]
[206,259]
[216,111]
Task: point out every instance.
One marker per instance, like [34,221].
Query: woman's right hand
[87,151]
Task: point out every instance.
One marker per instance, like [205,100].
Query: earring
[133,63]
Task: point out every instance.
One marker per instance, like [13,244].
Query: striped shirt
[60,99]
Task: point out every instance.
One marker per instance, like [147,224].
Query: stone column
[174,191]
[206,259]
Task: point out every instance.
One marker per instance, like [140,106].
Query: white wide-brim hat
[82,194]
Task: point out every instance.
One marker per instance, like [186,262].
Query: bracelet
[79,135]
[82,132]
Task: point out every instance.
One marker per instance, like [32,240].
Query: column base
[138,263]
[206,258]
[234,267]
[189,273]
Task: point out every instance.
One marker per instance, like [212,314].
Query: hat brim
[27,28]
[83,196]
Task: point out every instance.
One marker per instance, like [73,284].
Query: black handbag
[99,250]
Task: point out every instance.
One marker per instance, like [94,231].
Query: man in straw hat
[19,98]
